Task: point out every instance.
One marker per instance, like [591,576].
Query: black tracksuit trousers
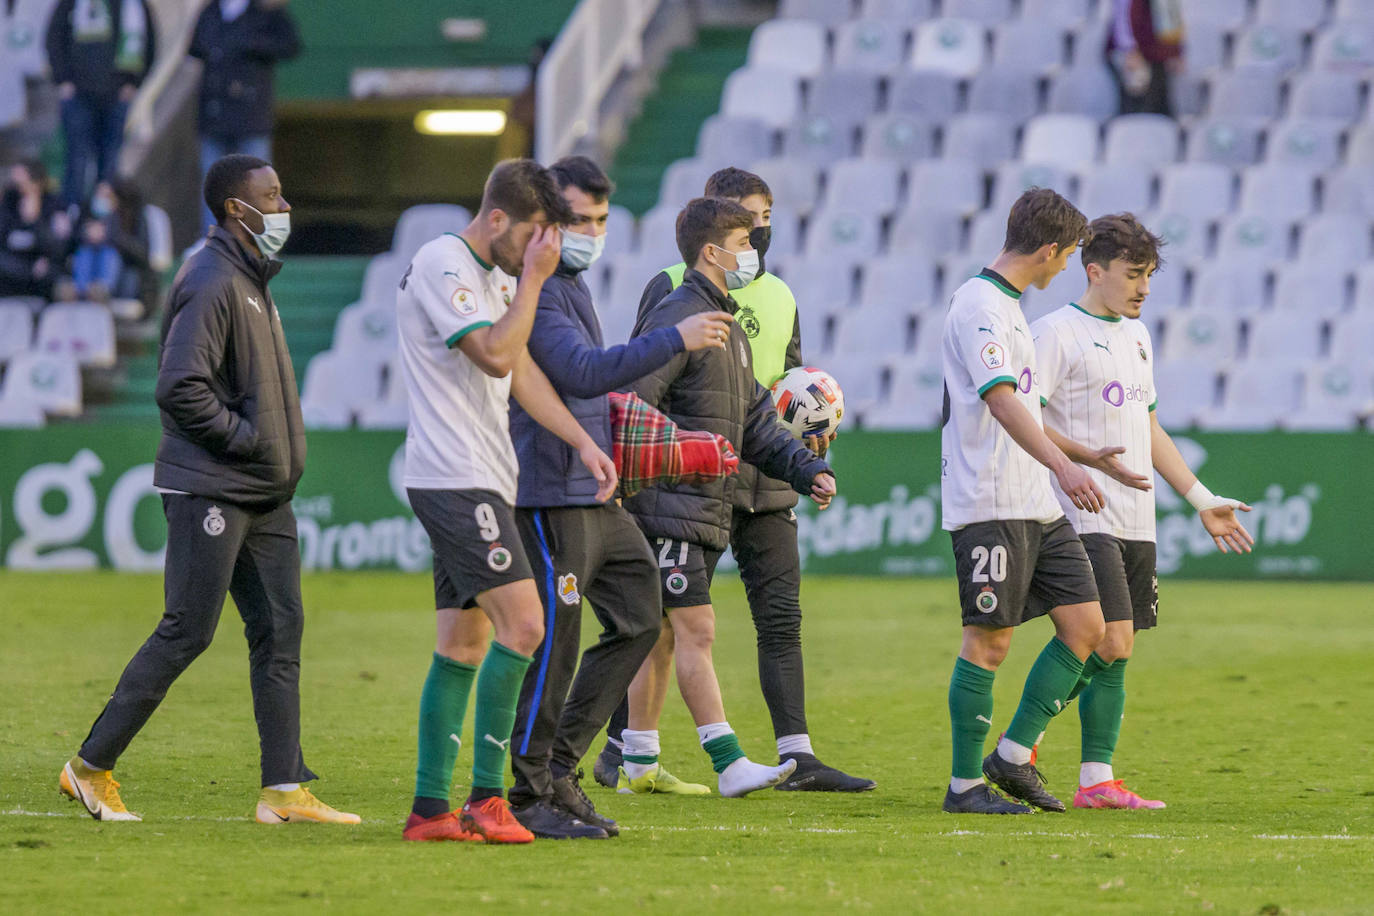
[596,552]
[214,548]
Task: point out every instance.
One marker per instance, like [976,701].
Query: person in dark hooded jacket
[688,525]
[232,451]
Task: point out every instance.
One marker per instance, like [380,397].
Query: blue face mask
[581,251]
[746,269]
[276,228]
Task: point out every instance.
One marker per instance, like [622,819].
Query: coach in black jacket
[232,450]
[689,524]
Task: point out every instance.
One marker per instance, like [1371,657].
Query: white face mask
[581,251]
[746,269]
[276,229]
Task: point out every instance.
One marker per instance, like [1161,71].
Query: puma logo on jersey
[983,719]
[989,330]
[254,303]
[501,744]
[1103,346]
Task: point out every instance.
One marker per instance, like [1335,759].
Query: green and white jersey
[1095,376]
[459,432]
[984,475]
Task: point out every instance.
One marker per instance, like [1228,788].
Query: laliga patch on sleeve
[994,357]
[464,301]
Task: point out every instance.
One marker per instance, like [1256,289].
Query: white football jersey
[984,474]
[1096,381]
[459,432]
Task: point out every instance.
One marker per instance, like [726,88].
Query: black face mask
[759,237]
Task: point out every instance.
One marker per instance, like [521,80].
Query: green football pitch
[1248,711]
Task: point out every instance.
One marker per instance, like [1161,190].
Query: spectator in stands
[100,51]
[240,42]
[1145,50]
[111,257]
[34,233]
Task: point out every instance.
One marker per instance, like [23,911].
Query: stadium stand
[894,141]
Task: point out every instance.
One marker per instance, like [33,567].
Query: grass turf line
[1247,712]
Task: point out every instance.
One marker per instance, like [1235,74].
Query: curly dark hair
[1120,235]
[521,188]
[1042,217]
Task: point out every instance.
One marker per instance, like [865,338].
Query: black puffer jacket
[231,415]
[714,390]
[236,90]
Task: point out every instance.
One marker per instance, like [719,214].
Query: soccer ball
[809,402]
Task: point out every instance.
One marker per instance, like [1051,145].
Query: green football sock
[724,751]
[1093,665]
[1051,678]
[970,715]
[1100,712]
[498,691]
[443,703]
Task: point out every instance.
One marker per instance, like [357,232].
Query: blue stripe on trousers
[538,699]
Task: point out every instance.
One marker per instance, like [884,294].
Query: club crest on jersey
[214,523]
[748,322]
[1140,348]
[676,583]
[986,602]
[994,357]
[464,301]
[498,557]
[505,294]
[567,589]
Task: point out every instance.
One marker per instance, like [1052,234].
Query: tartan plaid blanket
[649,448]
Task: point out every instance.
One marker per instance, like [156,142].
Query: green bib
[767,315]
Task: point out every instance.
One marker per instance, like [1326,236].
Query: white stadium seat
[908,11]
[795,183]
[82,330]
[791,45]
[1283,335]
[1278,191]
[1249,92]
[868,184]
[946,184]
[1187,236]
[49,381]
[366,331]
[1226,139]
[870,45]
[1223,286]
[1201,188]
[769,94]
[684,180]
[1254,237]
[915,398]
[1012,93]
[928,230]
[1345,45]
[1014,178]
[904,278]
[826,12]
[953,46]
[988,12]
[1303,17]
[1184,390]
[1256,396]
[1087,88]
[658,235]
[872,331]
[1324,94]
[1306,143]
[1335,240]
[903,137]
[1228,14]
[1066,140]
[844,96]
[1270,45]
[1141,139]
[1114,188]
[16,329]
[421,223]
[727,139]
[1334,397]
[931,93]
[1206,337]
[819,138]
[842,234]
[982,140]
[1314,290]
[1032,43]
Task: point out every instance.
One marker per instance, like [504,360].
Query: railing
[601,38]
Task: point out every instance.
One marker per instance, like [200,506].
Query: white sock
[713,731]
[640,744]
[960,786]
[794,744]
[1090,774]
[745,776]
[1012,752]
[285,787]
